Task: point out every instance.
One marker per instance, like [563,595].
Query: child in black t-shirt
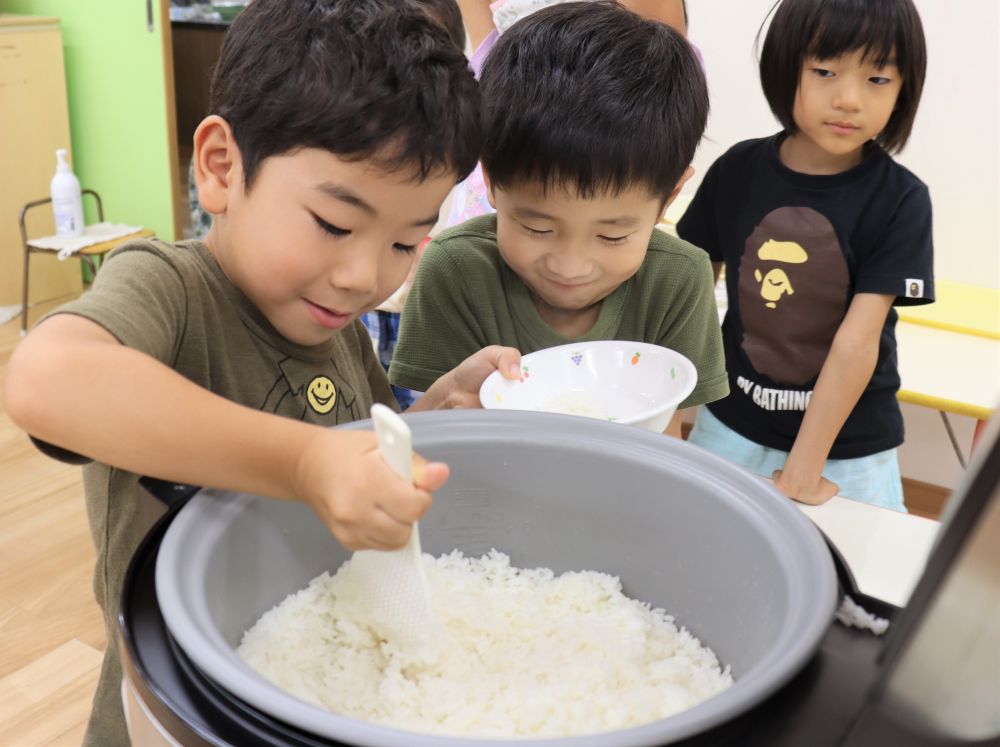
[821,233]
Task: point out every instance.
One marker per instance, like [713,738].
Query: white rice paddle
[389,588]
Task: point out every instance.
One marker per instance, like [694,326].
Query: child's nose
[357,272]
[848,96]
[568,264]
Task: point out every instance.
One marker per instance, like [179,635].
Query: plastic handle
[395,441]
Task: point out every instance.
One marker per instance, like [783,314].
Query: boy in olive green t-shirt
[592,117]
[336,131]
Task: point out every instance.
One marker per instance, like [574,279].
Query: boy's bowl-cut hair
[825,29]
[591,96]
[363,79]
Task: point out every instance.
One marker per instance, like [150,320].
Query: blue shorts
[872,479]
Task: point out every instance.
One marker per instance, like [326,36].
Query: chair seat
[104,246]
[90,256]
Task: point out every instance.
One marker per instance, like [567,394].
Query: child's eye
[880,80]
[405,248]
[330,228]
[822,72]
[614,239]
[533,231]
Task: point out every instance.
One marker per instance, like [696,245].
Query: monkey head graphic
[776,282]
[793,290]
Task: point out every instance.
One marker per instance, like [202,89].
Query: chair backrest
[23,214]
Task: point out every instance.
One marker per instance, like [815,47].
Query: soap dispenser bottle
[67,199]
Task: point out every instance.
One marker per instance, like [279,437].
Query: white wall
[955,145]
[953,148]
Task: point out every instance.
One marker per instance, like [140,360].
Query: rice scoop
[390,587]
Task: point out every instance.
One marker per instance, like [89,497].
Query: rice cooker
[730,558]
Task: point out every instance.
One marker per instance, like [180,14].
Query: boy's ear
[688,173]
[217,163]
[489,189]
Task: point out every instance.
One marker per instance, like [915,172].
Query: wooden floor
[51,632]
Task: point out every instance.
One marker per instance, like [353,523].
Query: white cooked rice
[525,653]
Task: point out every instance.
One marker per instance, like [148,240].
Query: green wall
[117,105]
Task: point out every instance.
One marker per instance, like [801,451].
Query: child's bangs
[838,31]
[585,163]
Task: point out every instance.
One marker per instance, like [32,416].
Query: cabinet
[196,48]
[34,121]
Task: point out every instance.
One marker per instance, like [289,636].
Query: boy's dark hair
[363,79]
[885,30]
[449,15]
[591,96]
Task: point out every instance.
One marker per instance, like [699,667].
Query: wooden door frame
[171,109]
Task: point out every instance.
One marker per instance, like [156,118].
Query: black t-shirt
[797,247]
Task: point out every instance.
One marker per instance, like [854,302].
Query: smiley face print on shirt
[321,394]
[300,392]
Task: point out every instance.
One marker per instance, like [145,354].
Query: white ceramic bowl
[634,383]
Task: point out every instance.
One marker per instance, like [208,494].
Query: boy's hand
[459,388]
[365,504]
[813,491]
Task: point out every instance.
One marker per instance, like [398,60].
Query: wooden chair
[91,255]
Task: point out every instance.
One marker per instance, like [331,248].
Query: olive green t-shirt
[465,297]
[174,303]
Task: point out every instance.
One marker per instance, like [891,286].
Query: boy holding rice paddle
[337,130]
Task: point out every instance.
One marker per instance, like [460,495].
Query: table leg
[951,437]
[977,435]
